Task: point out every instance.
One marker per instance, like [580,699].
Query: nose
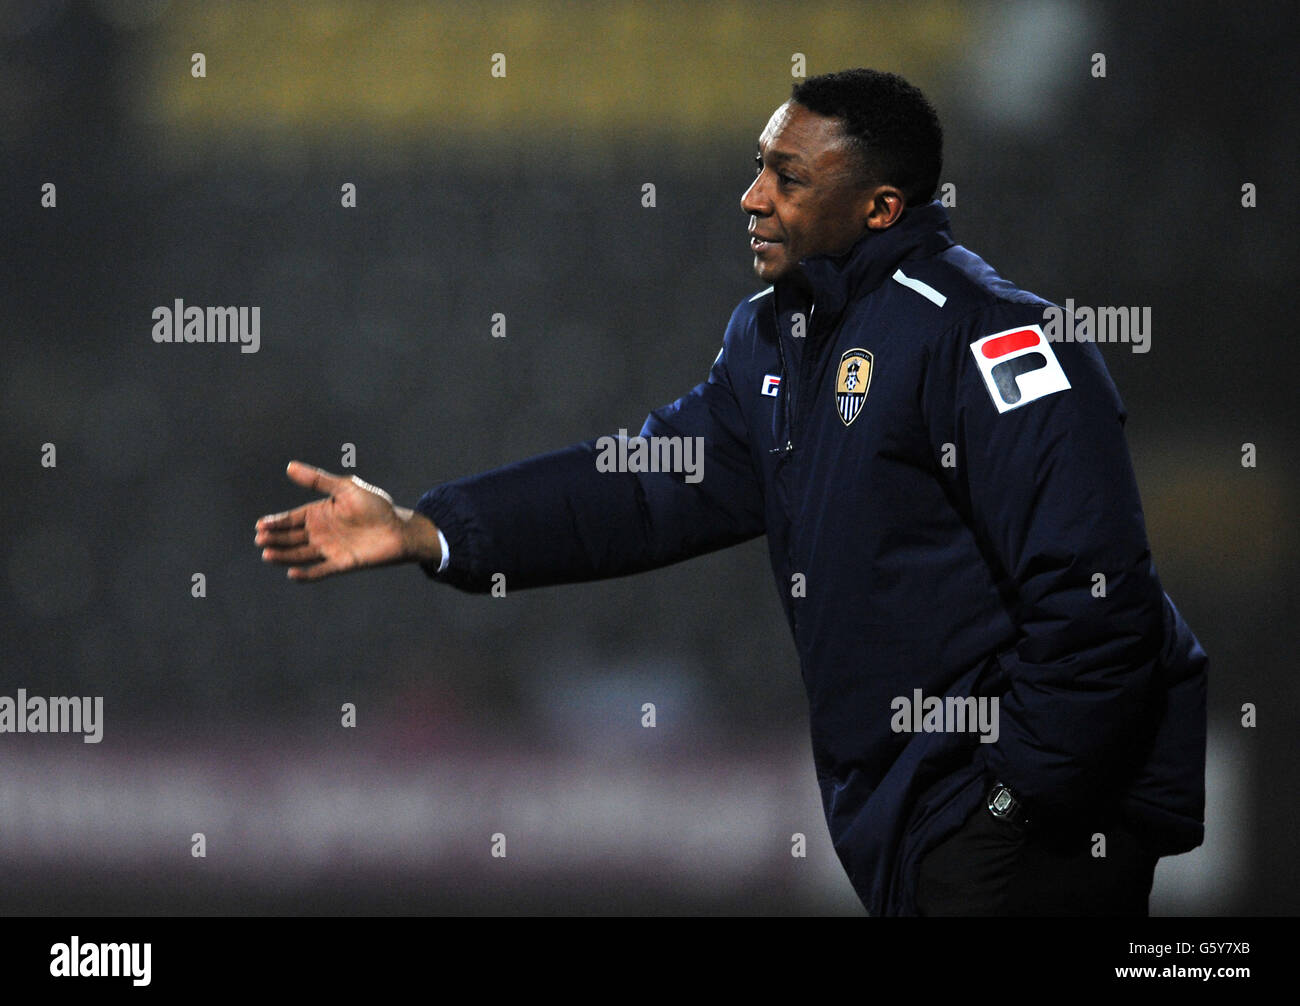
[755,201]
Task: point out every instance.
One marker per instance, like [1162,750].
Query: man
[1007,713]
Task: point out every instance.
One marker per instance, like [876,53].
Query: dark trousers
[994,867]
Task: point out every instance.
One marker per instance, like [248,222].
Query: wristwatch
[1004,805]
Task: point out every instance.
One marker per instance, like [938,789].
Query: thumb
[310,477]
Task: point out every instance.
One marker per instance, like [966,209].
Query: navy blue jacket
[940,486]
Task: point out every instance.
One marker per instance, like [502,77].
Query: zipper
[789,410]
[786,391]
[789,389]
[787,385]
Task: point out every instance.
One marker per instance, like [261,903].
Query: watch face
[1001,802]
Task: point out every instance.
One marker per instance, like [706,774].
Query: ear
[884,204]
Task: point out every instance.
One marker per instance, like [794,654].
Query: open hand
[356,526]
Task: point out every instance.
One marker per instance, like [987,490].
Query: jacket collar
[836,279]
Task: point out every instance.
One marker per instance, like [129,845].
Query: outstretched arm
[561,517]
[356,526]
[565,517]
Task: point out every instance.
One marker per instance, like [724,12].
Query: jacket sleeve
[563,517]
[1049,492]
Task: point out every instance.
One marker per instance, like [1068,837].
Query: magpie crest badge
[851,383]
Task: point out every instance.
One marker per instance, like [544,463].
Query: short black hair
[889,122]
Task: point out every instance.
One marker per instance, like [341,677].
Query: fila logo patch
[771,385]
[1018,367]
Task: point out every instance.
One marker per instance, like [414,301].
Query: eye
[785,179]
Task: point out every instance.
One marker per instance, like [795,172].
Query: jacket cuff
[457,534]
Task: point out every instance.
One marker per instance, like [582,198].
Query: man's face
[806,199]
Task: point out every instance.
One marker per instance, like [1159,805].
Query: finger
[311,477]
[306,574]
[280,539]
[285,520]
[292,556]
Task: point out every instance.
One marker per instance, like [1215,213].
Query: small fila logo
[851,383]
[1018,367]
[771,385]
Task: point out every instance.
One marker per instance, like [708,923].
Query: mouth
[761,244]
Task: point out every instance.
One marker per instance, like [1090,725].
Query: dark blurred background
[523,195]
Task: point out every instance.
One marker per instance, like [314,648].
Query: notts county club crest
[851,384]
